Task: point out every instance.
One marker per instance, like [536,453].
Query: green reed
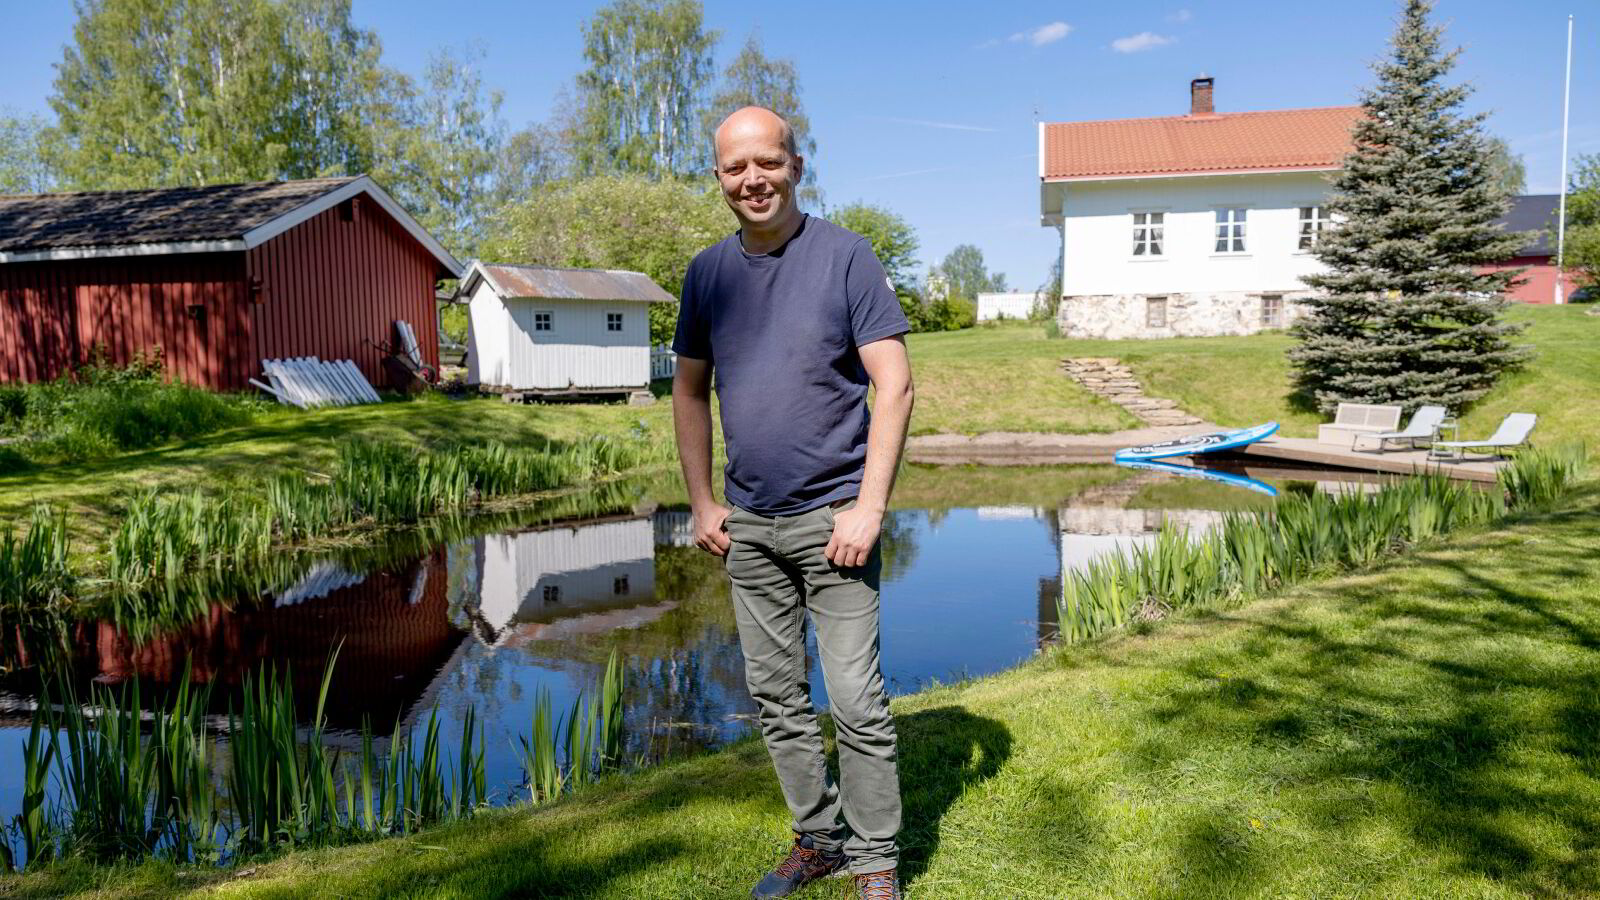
[132,783]
[1301,537]
[589,737]
[36,582]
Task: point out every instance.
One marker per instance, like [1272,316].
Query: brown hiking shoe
[804,864]
[878,886]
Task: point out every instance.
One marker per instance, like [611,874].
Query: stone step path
[1113,380]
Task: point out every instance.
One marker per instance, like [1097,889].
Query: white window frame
[544,312]
[1319,222]
[1148,240]
[621,321]
[1153,303]
[1230,228]
[1282,308]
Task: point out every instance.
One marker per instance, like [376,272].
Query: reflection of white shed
[547,330]
[540,576]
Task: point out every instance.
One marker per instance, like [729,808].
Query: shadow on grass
[943,752]
[1454,704]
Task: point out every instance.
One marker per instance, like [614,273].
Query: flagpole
[1561,217]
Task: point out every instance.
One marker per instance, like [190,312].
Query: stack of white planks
[309,382]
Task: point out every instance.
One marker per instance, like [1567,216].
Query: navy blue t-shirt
[781,331]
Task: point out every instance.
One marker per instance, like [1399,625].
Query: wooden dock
[1308,452]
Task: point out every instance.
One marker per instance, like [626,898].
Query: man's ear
[799,163]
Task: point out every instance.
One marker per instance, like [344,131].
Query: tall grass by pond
[1302,536]
[172,782]
[99,410]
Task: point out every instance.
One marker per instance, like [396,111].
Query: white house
[1006,305]
[1188,225]
[544,330]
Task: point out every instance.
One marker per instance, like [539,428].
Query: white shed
[541,329]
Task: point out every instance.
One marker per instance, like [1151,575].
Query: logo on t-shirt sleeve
[889,283]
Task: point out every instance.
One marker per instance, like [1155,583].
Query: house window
[1148,228]
[544,320]
[1312,218]
[613,321]
[1230,231]
[552,593]
[1271,310]
[619,585]
[1155,312]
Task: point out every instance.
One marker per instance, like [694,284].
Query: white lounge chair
[1424,426]
[1513,432]
[1358,418]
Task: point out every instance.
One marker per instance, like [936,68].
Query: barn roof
[156,221]
[1534,217]
[512,282]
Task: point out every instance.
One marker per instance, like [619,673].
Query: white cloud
[926,123]
[1180,17]
[1144,40]
[1044,34]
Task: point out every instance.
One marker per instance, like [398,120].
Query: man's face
[758,175]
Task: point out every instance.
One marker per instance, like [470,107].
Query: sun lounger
[1424,426]
[1513,432]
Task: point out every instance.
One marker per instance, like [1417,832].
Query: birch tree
[641,99]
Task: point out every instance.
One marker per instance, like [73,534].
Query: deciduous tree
[1403,314]
[171,92]
[1582,250]
[22,166]
[641,100]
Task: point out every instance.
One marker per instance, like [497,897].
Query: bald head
[755,123]
[759,169]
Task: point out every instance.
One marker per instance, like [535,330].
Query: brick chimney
[1200,97]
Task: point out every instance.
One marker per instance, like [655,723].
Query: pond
[973,562]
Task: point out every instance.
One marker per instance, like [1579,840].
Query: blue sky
[929,108]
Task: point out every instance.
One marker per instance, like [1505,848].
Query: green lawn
[1430,728]
[288,438]
[1244,380]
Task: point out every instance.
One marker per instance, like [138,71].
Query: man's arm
[691,421]
[856,530]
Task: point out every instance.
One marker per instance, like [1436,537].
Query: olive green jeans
[779,573]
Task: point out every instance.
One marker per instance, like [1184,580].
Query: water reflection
[973,565]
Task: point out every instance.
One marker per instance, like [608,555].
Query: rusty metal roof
[554,283]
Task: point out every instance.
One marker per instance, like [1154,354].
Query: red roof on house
[1195,144]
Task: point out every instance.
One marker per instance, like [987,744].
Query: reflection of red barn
[392,628]
[219,278]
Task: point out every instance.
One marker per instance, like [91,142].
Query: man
[794,316]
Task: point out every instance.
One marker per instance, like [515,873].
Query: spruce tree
[1402,315]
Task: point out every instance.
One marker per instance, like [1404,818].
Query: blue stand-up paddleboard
[1244,481]
[1198,443]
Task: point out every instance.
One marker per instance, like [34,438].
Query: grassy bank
[1230,380]
[1425,728]
[290,440]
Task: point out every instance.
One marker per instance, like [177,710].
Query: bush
[101,409]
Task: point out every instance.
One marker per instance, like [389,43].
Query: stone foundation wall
[1124,316]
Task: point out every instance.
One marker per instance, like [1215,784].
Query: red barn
[1534,217]
[218,278]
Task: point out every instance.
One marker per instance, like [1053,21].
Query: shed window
[613,321]
[619,585]
[552,593]
[1147,233]
[1230,231]
[1271,310]
[1155,312]
[544,320]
